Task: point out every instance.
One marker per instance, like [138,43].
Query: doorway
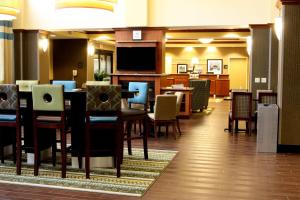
[103,61]
[238,70]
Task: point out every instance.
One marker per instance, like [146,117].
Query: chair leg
[178,126]
[236,126]
[18,149]
[249,127]
[155,131]
[128,132]
[80,162]
[63,152]
[87,152]
[2,154]
[145,138]
[36,152]
[54,149]
[174,130]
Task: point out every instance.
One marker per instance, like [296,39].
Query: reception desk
[219,84]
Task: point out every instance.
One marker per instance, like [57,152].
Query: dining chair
[104,124]
[69,85]
[97,83]
[178,106]
[267,97]
[164,113]
[132,115]
[200,94]
[241,109]
[10,118]
[26,85]
[49,113]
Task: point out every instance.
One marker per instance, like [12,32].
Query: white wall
[41,14]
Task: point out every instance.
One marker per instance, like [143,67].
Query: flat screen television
[136,58]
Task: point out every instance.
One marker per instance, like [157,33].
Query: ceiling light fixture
[205,40]
[94,4]
[9,9]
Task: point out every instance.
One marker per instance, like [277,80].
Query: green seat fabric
[42,103]
[26,85]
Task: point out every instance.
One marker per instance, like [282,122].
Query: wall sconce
[278,27]
[44,44]
[9,9]
[249,45]
[91,49]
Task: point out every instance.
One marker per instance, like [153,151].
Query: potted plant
[100,75]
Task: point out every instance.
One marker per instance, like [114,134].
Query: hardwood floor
[211,164]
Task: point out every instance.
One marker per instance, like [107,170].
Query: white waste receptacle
[267,127]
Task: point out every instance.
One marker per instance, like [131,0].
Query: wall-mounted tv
[136,58]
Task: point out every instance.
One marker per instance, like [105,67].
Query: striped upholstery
[9,97]
[103,98]
[200,94]
[267,98]
[242,105]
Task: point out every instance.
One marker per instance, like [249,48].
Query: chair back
[267,97]
[48,97]
[200,94]
[97,83]
[178,101]
[26,85]
[69,85]
[141,97]
[241,105]
[103,98]
[9,97]
[165,107]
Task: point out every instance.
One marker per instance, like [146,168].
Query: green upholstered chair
[49,113]
[26,85]
[103,123]
[10,119]
[164,113]
[200,94]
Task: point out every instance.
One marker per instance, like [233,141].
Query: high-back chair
[10,118]
[164,113]
[49,113]
[178,106]
[97,83]
[200,94]
[26,85]
[241,109]
[103,113]
[131,115]
[69,85]
[267,97]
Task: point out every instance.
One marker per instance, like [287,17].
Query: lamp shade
[9,9]
[95,4]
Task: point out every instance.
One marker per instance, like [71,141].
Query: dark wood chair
[49,113]
[132,115]
[267,97]
[10,118]
[241,109]
[104,124]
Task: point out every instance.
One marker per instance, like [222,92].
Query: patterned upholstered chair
[131,115]
[26,85]
[103,114]
[241,109]
[164,113]
[97,83]
[10,118]
[69,85]
[200,94]
[178,105]
[49,113]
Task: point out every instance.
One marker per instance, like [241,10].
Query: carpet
[137,175]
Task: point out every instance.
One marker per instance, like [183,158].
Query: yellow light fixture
[94,4]
[9,9]
[205,40]
[249,45]
[91,49]
[278,27]
[44,44]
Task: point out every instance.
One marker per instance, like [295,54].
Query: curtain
[6,52]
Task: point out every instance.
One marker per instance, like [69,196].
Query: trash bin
[267,128]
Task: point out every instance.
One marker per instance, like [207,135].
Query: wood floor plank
[211,164]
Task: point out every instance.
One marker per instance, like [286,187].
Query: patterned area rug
[137,175]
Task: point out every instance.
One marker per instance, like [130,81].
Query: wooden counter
[219,84]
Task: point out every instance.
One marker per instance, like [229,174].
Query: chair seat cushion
[151,116]
[97,119]
[8,117]
[132,112]
[49,118]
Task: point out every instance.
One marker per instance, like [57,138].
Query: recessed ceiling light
[205,40]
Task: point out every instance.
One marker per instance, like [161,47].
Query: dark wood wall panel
[290,78]
[274,61]
[69,54]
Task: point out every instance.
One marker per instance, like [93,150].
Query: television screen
[136,58]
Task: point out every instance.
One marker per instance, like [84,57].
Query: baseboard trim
[288,148]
